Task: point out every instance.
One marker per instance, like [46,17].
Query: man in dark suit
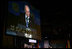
[26,18]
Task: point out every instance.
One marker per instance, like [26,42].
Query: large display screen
[23,20]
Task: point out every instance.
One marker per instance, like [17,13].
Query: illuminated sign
[32,41]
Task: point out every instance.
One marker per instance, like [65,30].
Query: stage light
[28,35]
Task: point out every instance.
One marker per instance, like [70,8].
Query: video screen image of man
[26,18]
[27,15]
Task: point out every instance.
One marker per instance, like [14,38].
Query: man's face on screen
[27,10]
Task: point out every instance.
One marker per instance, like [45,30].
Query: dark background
[56,22]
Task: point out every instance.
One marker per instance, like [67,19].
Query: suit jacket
[21,20]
